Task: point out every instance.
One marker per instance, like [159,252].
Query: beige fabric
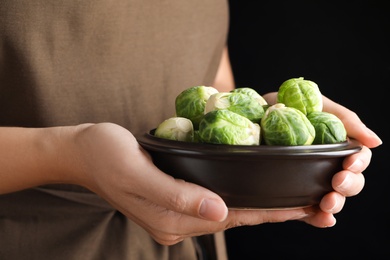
[219,240]
[77,61]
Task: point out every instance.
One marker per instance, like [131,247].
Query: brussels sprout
[251,92]
[239,103]
[329,128]
[226,127]
[175,128]
[282,125]
[301,94]
[191,103]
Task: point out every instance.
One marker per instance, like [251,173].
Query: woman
[78,79]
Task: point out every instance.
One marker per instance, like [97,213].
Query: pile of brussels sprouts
[243,117]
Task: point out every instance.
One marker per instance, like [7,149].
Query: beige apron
[76,61]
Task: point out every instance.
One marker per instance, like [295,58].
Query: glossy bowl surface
[247,177]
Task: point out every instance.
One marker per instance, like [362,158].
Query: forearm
[35,156]
[224,80]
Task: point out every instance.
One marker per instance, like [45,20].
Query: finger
[358,162]
[354,126]
[168,227]
[320,219]
[311,215]
[333,202]
[180,196]
[348,183]
[270,97]
[165,226]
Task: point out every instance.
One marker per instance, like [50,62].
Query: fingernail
[356,166]
[373,134]
[331,210]
[214,210]
[346,183]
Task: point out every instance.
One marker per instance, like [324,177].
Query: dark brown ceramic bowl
[266,177]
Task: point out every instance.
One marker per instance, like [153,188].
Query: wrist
[64,161]
[36,156]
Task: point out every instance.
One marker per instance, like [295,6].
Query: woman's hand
[350,181]
[108,160]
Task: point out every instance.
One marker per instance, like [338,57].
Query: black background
[345,49]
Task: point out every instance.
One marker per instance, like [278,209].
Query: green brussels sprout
[175,128]
[301,94]
[191,103]
[329,128]
[226,127]
[239,103]
[251,92]
[282,125]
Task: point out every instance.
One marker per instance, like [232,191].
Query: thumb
[183,197]
[355,127]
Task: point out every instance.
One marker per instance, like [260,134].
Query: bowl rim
[152,143]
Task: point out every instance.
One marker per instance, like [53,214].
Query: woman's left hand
[349,181]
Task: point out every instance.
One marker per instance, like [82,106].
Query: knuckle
[179,202]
